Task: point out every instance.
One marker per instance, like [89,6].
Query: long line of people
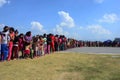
[107,43]
[15,45]
[22,46]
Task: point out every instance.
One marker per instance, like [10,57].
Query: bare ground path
[96,50]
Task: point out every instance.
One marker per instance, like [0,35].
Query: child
[21,44]
[48,43]
[41,46]
[35,45]
[52,43]
[56,43]
[45,43]
[27,51]
[60,43]
[38,50]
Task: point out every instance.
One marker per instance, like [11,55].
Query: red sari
[52,43]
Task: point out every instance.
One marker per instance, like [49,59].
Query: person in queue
[21,44]
[27,45]
[15,46]
[48,43]
[45,43]
[4,43]
[0,43]
[12,36]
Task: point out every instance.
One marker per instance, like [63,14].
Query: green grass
[63,66]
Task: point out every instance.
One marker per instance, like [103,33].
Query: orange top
[12,36]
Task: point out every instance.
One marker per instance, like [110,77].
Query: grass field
[63,66]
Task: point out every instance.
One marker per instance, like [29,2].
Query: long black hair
[28,33]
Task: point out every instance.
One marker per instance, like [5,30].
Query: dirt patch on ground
[70,76]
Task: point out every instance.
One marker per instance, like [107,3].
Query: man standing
[4,43]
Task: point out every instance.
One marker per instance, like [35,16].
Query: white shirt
[45,40]
[5,37]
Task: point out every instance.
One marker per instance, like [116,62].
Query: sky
[79,19]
